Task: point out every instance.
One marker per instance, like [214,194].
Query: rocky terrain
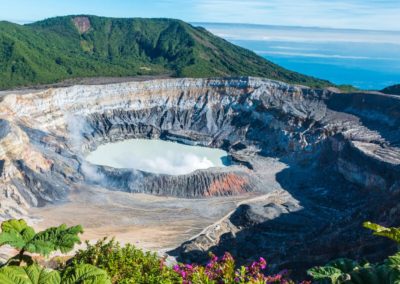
[393,90]
[340,155]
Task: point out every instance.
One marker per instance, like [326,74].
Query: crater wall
[341,150]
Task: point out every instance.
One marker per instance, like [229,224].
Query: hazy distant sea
[365,59]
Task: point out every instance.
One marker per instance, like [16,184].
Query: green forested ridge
[54,49]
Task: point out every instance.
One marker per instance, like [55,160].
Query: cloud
[376,15]
[361,14]
[320,55]
[300,34]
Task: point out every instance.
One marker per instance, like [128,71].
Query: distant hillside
[88,46]
[393,90]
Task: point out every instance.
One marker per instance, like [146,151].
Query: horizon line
[25,21]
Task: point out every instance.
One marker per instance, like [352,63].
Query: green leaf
[85,274]
[33,274]
[325,273]
[391,233]
[42,247]
[15,233]
[372,275]
[18,234]
[13,239]
[28,233]
[343,264]
[14,225]
[55,238]
[394,261]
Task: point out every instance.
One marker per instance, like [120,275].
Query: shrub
[222,270]
[126,264]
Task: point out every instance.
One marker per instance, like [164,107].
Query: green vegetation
[54,49]
[19,235]
[347,88]
[22,269]
[346,271]
[392,90]
[107,262]
[126,264]
[131,265]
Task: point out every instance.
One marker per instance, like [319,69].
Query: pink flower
[227,256]
[263,263]
[176,268]
[188,266]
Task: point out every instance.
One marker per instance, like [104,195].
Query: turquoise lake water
[157,156]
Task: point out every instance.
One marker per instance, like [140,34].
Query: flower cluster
[222,270]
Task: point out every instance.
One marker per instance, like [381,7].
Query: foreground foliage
[35,274]
[107,262]
[19,235]
[126,264]
[390,233]
[223,270]
[352,272]
[22,269]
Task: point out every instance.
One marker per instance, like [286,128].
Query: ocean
[368,60]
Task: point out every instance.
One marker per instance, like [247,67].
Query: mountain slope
[392,90]
[87,46]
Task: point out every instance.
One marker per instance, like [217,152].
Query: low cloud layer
[299,34]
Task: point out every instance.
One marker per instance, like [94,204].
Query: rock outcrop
[342,152]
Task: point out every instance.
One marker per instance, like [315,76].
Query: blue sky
[359,14]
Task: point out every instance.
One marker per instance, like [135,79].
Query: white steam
[77,127]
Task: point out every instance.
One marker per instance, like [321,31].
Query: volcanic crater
[308,166]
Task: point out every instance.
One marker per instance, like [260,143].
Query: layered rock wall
[342,153]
